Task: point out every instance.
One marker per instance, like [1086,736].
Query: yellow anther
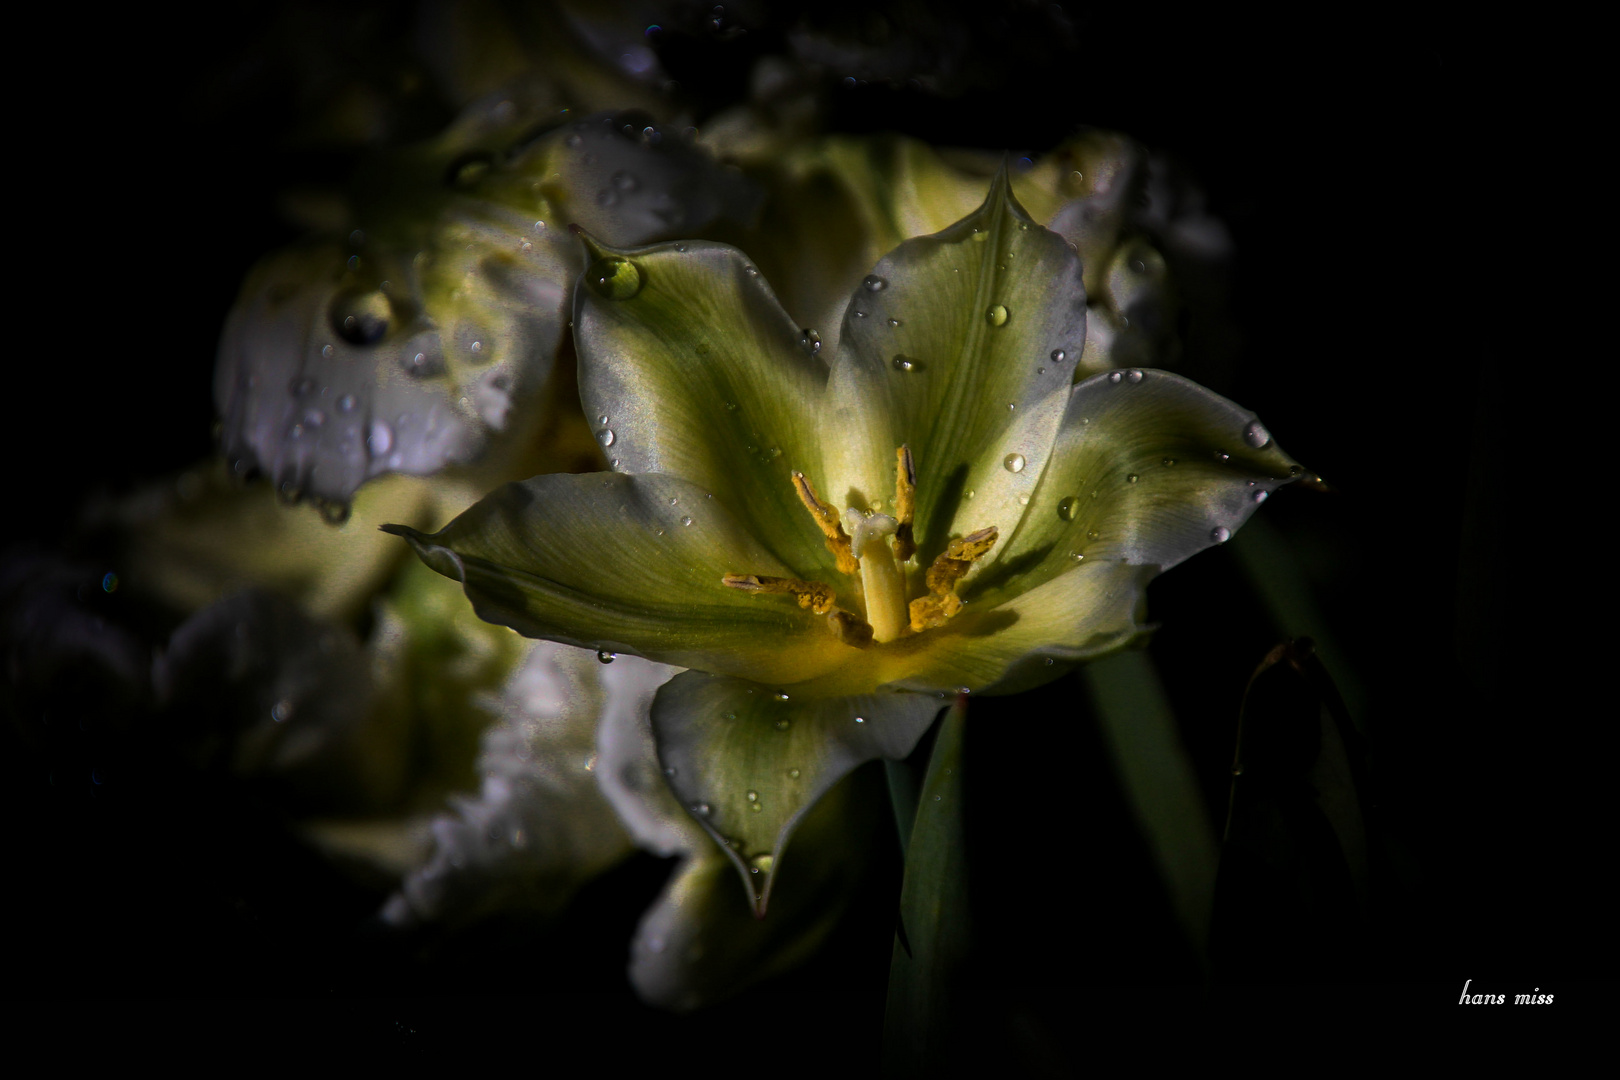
[905,492]
[957,559]
[827,518]
[928,612]
[810,594]
[851,628]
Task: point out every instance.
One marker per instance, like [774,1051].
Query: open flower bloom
[833,548]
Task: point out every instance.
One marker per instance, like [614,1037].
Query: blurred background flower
[176,835]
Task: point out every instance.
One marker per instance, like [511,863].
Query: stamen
[827,518]
[956,560]
[905,491]
[810,594]
[851,628]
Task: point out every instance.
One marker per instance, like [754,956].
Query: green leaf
[748,760]
[1158,778]
[946,345]
[1148,468]
[696,371]
[627,564]
[932,944]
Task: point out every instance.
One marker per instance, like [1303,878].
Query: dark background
[1367,169]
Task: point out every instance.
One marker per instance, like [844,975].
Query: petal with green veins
[943,345]
[627,564]
[702,939]
[699,373]
[1149,468]
[749,760]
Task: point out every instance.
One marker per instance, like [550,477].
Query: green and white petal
[702,940]
[627,768]
[627,564]
[538,827]
[748,760]
[690,367]
[1149,468]
[944,345]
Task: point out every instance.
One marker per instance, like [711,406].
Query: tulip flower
[834,548]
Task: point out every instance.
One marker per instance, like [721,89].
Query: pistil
[882,581]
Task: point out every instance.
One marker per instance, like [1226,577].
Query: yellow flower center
[877,547]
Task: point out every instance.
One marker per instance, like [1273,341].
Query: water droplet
[606,657]
[860,719]
[1013,463]
[997,315]
[1168,462]
[1092,534]
[380,439]
[1012,406]
[686,519]
[1256,435]
[980,235]
[281,711]
[1077,556]
[1222,455]
[810,341]
[1058,356]
[360,318]
[1040,371]
[326,351]
[701,809]
[605,436]
[421,365]
[752,796]
[780,695]
[1220,534]
[1114,377]
[750,270]
[761,864]
[614,278]
[1133,376]
[756,807]
[1069,508]
[346,403]
[732,715]
[894,322]
[907,363]
[1132,478]
[1023,500]
[1262,495]
[793,774]
[466,171]
[874,283]
[602,419]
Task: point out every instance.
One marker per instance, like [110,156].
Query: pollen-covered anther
[810,594]
[942,603]
[827,519]
[905,502]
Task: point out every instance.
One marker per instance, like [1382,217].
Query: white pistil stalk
[882,580]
